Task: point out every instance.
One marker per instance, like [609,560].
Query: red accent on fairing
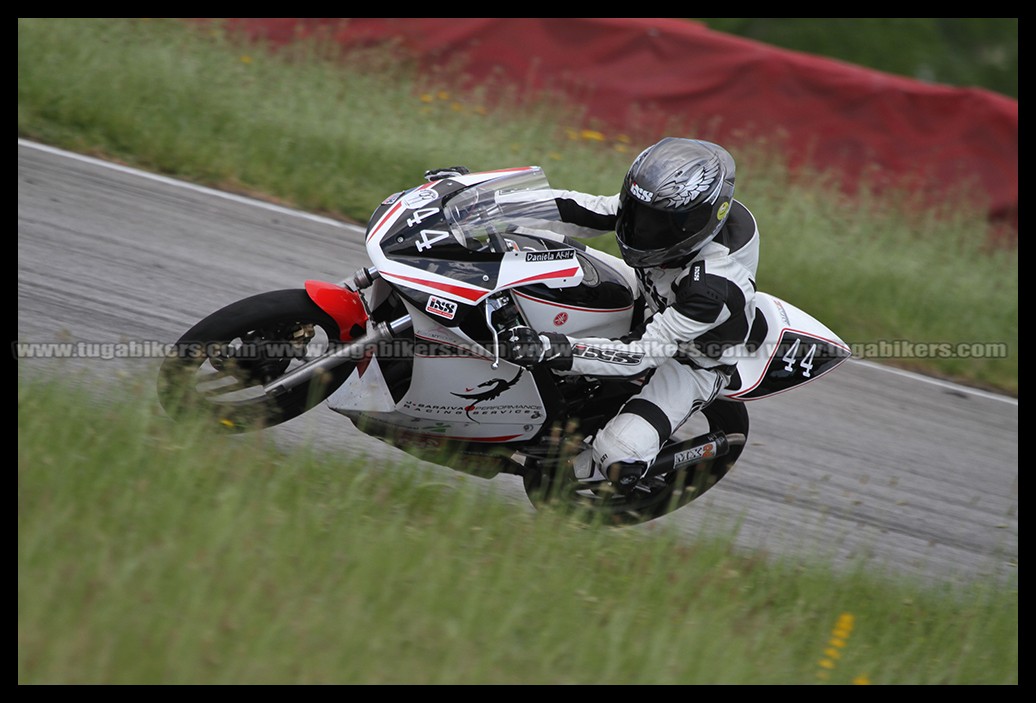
[472,294]
[544,276]
[342,304]
[384,219]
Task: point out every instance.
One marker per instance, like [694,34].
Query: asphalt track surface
[871,465]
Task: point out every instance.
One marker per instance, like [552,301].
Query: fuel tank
[600,306]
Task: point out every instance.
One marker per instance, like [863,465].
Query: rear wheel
[219,366]
[552,483]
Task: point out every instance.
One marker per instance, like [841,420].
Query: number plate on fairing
[797,349]
[798,357]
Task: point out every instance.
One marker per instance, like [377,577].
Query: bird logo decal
[679,191]
[494,388]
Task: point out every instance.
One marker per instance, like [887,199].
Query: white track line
[949,385]
[183,184]
[335,223]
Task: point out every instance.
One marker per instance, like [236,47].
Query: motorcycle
[408,349]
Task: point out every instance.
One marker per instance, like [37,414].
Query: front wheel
[219,367]
[551,484]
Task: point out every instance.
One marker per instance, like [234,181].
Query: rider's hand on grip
[524,346]
[437,174]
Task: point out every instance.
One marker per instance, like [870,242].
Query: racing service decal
[494,387]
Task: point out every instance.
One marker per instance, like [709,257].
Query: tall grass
[150,552]
[336,134]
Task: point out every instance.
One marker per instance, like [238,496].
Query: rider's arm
[709,316]
[668,334]
[582,216]
[585,215]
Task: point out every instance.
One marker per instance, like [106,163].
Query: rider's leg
[629,442]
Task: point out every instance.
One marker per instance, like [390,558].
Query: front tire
[219,367]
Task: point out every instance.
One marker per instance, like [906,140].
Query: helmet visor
[647,228]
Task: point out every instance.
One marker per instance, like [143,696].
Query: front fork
[345,305]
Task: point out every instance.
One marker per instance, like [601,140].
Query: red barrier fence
[640,73]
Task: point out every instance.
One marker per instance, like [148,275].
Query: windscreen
[522,201]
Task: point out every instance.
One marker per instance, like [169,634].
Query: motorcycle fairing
[601,306]
[796,348]
[455,392]
[458,253]
[366,390]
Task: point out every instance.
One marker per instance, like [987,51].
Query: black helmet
[674,200]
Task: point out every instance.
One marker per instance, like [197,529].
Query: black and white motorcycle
[407,349]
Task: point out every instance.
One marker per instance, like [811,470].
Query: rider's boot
[622,475]
[585,468]
[625,475]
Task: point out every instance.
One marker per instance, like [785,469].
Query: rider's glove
[437,174]
[524,346]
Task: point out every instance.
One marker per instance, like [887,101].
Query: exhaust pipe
[694,451]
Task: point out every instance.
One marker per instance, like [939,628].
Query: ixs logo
[537,256]
[608,356]
[641,194]
[440,307]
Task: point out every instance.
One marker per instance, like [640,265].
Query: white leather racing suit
[700,316]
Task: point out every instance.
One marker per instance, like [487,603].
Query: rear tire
[220,365]
[552,485]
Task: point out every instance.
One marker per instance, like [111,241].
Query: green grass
[152,553]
